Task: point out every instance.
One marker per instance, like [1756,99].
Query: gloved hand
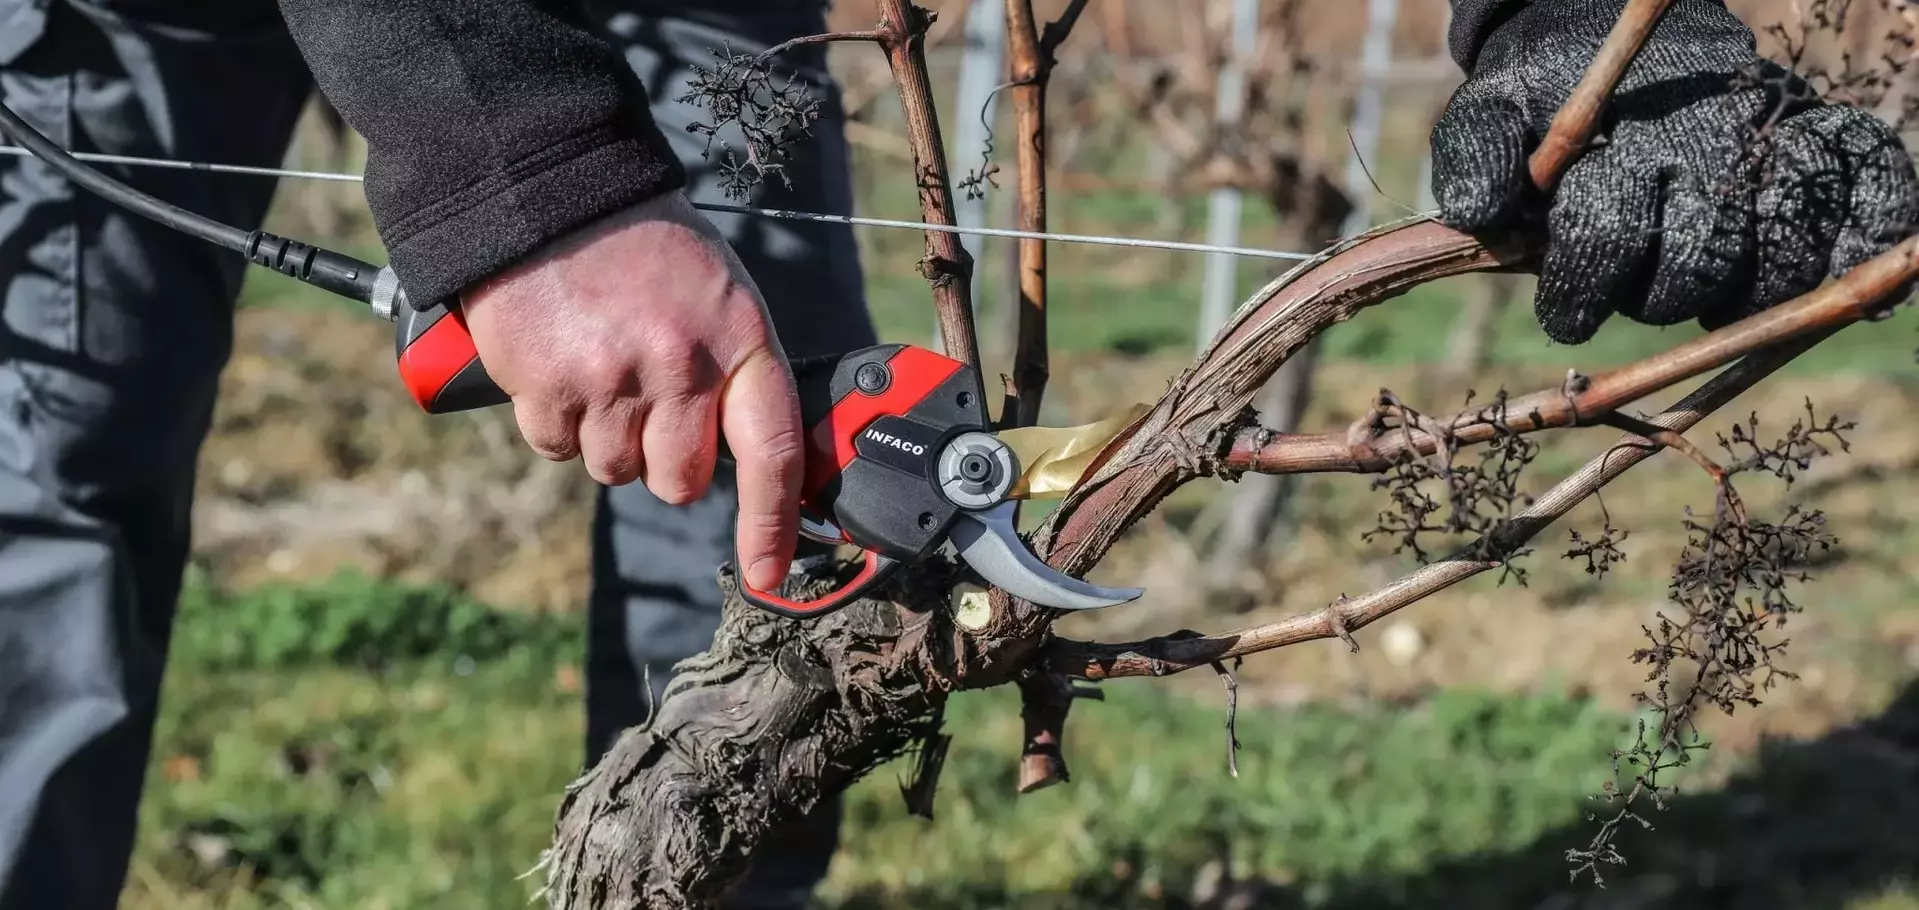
[1693,207]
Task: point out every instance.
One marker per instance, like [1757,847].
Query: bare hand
[630,344]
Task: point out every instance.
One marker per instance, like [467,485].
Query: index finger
[760,416]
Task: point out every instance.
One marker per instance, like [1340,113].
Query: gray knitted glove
[1691,208]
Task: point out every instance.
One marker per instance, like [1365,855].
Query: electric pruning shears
[900,457]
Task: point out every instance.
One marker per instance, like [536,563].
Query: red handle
[439,364]
[875,573]
[441,368]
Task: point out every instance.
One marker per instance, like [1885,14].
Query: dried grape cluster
[1793,453]
[1729,586]
[1730,582]
[1479,496]
[770,113]
[1601,553]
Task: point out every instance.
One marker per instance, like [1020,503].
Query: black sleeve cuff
[492,127]
[449,245]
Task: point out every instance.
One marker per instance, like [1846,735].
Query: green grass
[355,620]
[1324,794]
[358,744]
[425,786]
[410,750]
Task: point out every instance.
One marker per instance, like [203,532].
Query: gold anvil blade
[1053,459]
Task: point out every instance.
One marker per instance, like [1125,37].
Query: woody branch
[1370,447]
[946,266]
[1173,654]
[1199,427]
[1044,700]
[779,715]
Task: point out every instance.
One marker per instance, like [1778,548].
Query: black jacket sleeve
[492,127]
[1473,20]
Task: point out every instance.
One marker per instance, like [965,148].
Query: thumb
[760,417]
[1883,207]
[1479,159]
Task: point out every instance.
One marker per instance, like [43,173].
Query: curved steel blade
[989,543]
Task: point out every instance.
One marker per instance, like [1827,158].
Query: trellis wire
[788,214]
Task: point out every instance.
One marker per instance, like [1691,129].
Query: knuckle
[683,374]
[676,472]
[606,370]
[674,487]
[615,468]
[760,524]
[774,449]
[681,360]
[547,436]
[554,448]
[671,382]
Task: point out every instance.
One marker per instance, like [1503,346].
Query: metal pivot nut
[976,470]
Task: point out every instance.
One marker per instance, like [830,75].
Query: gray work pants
[113,333]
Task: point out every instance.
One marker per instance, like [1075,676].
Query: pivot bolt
[975,467]
[976,471]
[872,378]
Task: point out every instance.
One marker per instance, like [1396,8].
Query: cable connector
[330,271]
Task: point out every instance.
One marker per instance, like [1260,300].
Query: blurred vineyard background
[374,700]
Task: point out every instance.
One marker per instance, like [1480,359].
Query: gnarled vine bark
[779,714]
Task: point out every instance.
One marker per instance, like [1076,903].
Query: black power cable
[334,272]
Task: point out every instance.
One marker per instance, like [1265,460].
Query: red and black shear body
[876,420]
[876,423]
